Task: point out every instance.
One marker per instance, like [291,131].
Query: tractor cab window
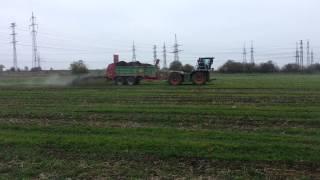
[205,63]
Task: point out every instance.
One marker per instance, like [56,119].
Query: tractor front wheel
[199,78]
[175,79]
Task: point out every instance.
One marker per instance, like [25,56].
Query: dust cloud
[42,80]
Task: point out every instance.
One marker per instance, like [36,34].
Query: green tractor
[199,76]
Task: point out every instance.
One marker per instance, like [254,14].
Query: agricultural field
[236,127]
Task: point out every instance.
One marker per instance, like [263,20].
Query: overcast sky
[93,30]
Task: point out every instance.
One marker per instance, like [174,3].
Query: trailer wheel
[138,81]
[131,81]
[175,79]
[199,78]
[119,81]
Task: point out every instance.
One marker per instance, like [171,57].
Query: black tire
[175,79]
[119,81]
[131,81]
[199,78]
[138,80]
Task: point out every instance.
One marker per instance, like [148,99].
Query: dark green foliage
[268,67]
[188,68]
[232,67]
[176,66]
[35,69]
[237,67]
[250,68]
[314,68]
[291,68]
[79,67]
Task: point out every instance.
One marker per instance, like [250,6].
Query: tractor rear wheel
[175,79]
[131,81]
[199,78]
[119,81]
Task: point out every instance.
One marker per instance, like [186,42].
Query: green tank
[132,73]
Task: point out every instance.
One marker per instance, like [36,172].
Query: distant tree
[26,68]
[176,66]
[2,68]
[79,67]
[188,68]
[314,68]
[232,67]
[291,68]
[250,67]
[268,67]
[236,67]
[36,69]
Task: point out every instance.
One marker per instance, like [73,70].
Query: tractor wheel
[175,79]
[199,78]
[119,81]
[131,81]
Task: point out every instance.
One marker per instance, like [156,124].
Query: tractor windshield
[205,63]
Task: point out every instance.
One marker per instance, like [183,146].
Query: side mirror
[157,62]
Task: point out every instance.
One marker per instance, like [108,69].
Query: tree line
[231,66]
[266,67]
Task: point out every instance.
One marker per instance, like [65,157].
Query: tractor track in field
[149,120]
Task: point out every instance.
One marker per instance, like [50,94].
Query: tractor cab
[205,64]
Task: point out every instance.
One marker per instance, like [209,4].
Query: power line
[262,50]
[146,51]
[72,37]
[155,55]
[308,53]
[244,54]
[164,56]
[134,56]
[14,42]
[312,60]
[301,54]
[74,50]
[39,60]
[297,53]
[275,52]
[35,59]
[176,48]
[103,49]
[252,53]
